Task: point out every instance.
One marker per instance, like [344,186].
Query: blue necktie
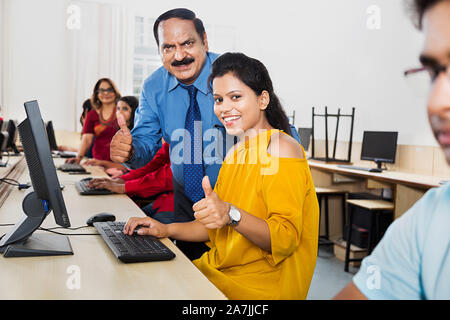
[193,151]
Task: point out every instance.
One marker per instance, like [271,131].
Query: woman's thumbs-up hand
[211,211]
[121,143]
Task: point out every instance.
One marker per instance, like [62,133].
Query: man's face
[436,52]
[182,50]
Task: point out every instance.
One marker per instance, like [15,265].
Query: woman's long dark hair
[255,75]
[133,103]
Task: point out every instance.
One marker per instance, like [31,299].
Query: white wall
[37,59]
[319,53]
[2,46]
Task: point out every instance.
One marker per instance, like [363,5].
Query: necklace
[108,121]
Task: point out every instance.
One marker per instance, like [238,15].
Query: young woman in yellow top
[261,220]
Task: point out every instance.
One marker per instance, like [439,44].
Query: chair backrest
[305,137]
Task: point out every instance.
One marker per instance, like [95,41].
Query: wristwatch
[235,216]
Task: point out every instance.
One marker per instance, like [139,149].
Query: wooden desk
[101,275]
[407,187]
[13,170]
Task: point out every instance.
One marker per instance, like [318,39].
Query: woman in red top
[100,122]
[155,178]
[127,107]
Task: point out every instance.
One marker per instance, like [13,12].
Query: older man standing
[176,104]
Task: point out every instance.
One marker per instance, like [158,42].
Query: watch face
[235,214]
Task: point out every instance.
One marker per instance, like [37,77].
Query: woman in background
[100,122]
[126,106]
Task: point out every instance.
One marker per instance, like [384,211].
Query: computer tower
[360,236]
[361,221]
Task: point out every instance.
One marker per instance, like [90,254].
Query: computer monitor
[4,125]
[44,196]
[12,131]
[379,146]
[51,136]
[3,142]
[305,137]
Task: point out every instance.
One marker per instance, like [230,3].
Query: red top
[155,178]
[103,130]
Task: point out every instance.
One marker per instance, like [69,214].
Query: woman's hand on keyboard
[148,227]
[73,160]
[104,183]
[95,182]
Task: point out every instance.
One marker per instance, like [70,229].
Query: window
[146,58]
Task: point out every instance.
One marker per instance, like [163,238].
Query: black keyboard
[67,154]
[64,154]
[71,167]
[83,188]
[133,248]
[345,166]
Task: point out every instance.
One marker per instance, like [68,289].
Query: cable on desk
[74,228]
[15,183]
[10,181]
[68,234]
[5,225]
[65,234]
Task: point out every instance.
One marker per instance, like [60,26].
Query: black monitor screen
[3,142]
[39,201]
[379,146]
[4,125]
[51,136]
[40,163]
[12,131]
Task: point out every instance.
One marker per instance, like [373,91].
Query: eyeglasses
[422,79]
[104,91]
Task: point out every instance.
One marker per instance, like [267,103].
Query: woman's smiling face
[237,106]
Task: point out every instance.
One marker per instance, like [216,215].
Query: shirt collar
[201,83]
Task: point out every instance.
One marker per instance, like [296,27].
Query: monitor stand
[378,168]
[21,240]
[40,245]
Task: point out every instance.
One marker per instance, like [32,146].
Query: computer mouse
[100,217]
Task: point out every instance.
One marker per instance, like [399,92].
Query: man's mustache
[185,61]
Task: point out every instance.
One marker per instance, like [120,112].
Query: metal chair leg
[343,213]
[372,233]
[349,237]
[327,228]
